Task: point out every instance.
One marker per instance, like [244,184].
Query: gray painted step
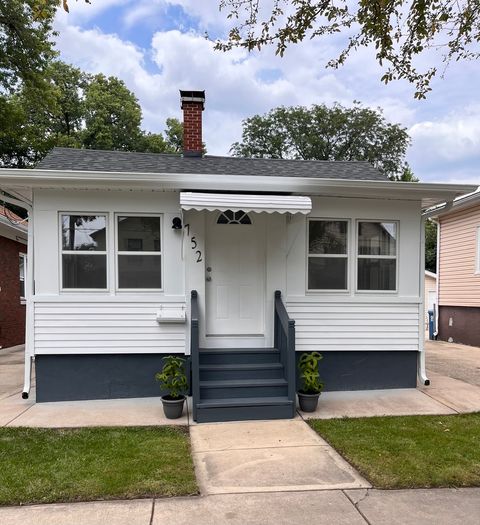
[238,409]
[234,388]
[241,371]
[238,355]
[242,383]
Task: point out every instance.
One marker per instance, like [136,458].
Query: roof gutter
[440,209]
[29,292]
[428,193]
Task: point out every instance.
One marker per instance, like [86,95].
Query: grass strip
[85,464]
[409,451]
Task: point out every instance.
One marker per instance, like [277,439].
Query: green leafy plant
[308,366]
[173,378]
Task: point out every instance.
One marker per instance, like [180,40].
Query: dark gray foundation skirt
[77,377]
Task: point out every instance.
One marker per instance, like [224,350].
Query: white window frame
[62,252]
[391,257]
[23,256]
[477,251]
[118,253]
[347,256]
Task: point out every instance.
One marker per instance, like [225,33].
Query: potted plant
[173,380]
[311,385]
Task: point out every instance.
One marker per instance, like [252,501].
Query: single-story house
[239,264]
[430,294]
[458,270]
[13,256]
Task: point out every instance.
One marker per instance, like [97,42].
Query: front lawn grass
[409,451]
[52,465]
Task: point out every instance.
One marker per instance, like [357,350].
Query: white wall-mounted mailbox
[171,314]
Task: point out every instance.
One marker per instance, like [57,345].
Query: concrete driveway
[453,360]
[454,373]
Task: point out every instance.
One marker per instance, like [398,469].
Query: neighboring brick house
[458,256]
[13,249]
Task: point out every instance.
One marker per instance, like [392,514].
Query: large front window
[139,255]
[327,254]
[377,256]
[84,252]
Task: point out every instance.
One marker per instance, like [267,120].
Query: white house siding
[124,322]
[344,326]
[104,327]
[112,321]
[351,320]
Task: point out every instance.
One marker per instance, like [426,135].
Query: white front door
[235,275]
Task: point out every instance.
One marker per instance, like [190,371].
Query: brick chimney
[193,103]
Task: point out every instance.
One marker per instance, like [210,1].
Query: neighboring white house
[430,294]
[137,256]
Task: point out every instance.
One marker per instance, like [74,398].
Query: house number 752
[194,244]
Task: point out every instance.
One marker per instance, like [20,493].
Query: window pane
[21,263]
[22,288]
[377,238]
[84,232]
[377,274]
[84,271]
[327,273]
[139,234]
[230,217]
[139,271]
[327,237]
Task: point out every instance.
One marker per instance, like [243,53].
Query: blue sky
[158,47]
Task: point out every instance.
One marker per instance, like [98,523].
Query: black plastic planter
[308,402]
[173,407]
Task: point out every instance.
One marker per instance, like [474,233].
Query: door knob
[208,278]
[209,269]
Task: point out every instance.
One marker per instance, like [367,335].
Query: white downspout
[29,292]
[437,284]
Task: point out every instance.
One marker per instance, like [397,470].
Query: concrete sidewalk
[332,507]
[267,456]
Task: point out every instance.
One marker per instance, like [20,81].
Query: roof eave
[430,194]
[465,201]
[18,228]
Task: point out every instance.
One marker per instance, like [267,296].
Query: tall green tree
[112,115]
[320,132]
[397,32]
[25,42]
[430,246]
[74,109]
[174,135]
[22,141]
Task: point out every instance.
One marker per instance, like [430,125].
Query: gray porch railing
[194,351]
[284,338]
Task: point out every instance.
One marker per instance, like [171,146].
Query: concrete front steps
[242,383]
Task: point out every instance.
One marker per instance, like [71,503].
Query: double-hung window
[327,254]
[139,252]
[377,255]
[84,251]
[22,268]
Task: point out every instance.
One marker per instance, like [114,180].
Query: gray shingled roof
[123,161]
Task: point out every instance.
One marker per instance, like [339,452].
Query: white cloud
[448,148]
[453,137]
